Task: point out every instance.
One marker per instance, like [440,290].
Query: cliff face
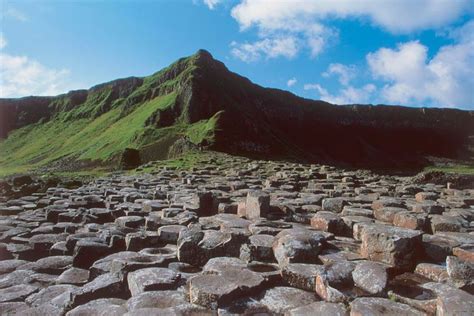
[272,122]
[16,113]
[200,98]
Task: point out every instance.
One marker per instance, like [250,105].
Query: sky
[402,52]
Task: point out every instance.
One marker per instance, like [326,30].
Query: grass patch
[95,139]
[459,169]
[203,130]
[184,162]
[82,174]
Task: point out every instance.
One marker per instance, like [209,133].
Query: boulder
[257,205]
[74,276]
[451,301]
[392,245]
[212,291]
[334,205]
[464,252]
[258,248]
[57,295]
[282,299]
[103,306]
[371,277]
[302,275]
[17,292]
[152,279]
[329,222]
[104,286]
[227,281]
[319,308]
[364,306]
[297,246]
[460,270]
[87,252]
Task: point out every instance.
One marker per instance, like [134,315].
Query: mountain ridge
[199,99]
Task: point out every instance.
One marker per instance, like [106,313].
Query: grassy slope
[100,138]
[102,126]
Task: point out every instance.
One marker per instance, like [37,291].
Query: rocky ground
[235,236]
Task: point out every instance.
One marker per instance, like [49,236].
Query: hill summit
[198,101]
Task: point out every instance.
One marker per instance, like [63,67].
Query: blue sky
[416,53]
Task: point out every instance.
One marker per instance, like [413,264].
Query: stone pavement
[237,236]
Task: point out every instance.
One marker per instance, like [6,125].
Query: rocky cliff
[199,99]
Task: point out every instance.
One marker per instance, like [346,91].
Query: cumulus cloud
[15,14]
[21,76]
[212,3]
[393,15]
[291,82]
[315,86]
[343,72]
[270,48]
[314,37]
[3,41]
[305,19]
[463,34]
[346,95]
[309,33]
[412,78]
[408,76]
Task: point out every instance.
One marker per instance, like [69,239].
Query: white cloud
[463,34]
[21,76]
[310,34]
[345,73]
[15,14]
[212,3]
[347,95]
[412,78]
[304,19]
[393,15]
[296,36]
[3,41]
[270,48]
[314,86]
[291,82]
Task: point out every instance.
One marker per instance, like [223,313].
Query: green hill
[197,100]
[94,127]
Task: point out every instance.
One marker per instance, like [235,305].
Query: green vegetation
[184,162]
[92,139]
[392,297]
[125,132]
[87,174]
[88,135]
[203,130]
[459,169]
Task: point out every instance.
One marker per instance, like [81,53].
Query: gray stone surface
[366,306]
[236,236]
[152,279]
[371,277]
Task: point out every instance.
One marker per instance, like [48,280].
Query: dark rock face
[16,113]
[130,158]
[277,123]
